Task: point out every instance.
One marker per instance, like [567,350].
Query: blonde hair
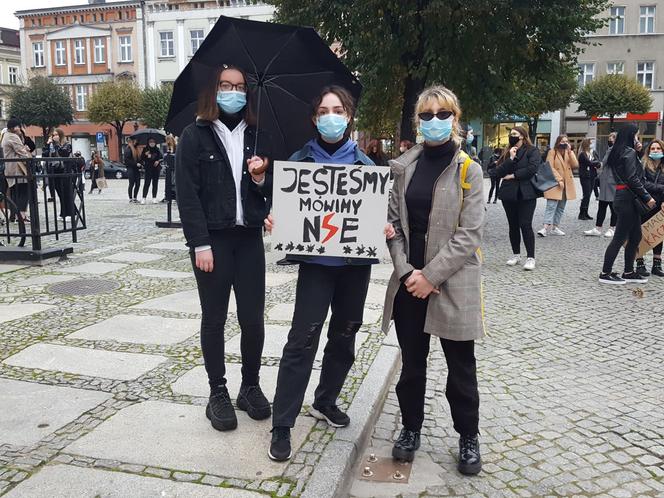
[445,99]
[649,163]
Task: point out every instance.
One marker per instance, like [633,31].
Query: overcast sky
[8,7]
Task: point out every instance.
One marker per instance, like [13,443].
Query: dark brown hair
[525,139]
[207,108]
[347,101]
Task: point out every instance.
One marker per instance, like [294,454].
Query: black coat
[523,167]
[206,188]
[588,166]
[629,171]
[654,183]
[150,162]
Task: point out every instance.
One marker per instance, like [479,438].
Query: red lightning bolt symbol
[331,228]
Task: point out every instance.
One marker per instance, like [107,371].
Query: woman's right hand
[269,223]
[205,260]
[652,203]
[513,152]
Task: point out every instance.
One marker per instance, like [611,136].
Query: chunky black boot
[657,268]
[470,461]
[220,410]
[405,447]
[252,400]
[641,268]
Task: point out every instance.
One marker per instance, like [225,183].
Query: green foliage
[154,105]
[42,103]
[614,94]
[115,102]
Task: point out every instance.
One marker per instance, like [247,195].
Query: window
[79,52]
[647,19]
[586,73]
[615,68]
[645,74]
[100,49]
[94,17]
[197,37]
[2,109]
[38,54]
[13,75]
[125,49]
[81,97]
[167,45]
[60,57]
[120,14]
[617,22]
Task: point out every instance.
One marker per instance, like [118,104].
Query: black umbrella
[142,136]
[287,66]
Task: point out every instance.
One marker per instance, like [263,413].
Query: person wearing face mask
[607,192]
[491,170]
[516,167]
[322,282]
[468,146]
[223,185]
[628,172]
[58,146]
[654,183]
[405,145]
[435,287]
[589,163]
[151,160]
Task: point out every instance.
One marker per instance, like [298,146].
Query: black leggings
[495,186]
[587,188]
[151,175]
[628,228]
[601,214]
[239,262]
[520,219]
[134,175]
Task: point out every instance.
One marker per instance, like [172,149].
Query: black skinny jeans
[134,175]
[495,186]
[151,176]
[344,288]
[520,219]
[601,214]
[461,388]
[587,188]
[239,262]
[628,228]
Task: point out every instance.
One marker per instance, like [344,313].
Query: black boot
[470,461]
[220,410]
[252,400]
[405,447]
[657,267]
[641,268]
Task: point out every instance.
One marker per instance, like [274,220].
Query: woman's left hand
[419,286]
[256,170]
[389,231]
[509,177]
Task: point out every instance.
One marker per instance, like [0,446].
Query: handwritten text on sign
[329,209]
[653,233]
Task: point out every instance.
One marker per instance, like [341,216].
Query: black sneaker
[331,414]
[252,400]
[634,278]
[657,268]
[220,411]
[405,447]
[470,461]
[641,268]
[611,278]
[280,447]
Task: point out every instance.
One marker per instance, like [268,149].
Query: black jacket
[205,186]
[629,171]
[588,165]
[493,163]
[523,167]
[150,162]
[654,183]
[128,158]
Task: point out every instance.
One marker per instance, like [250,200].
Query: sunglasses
[428,116]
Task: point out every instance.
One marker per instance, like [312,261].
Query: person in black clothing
[223,186]
[516,167]
[589,163]
[151,160]
[491,170]
[375,152]
[628,173]
[57,146]
[131,159]
[654,183]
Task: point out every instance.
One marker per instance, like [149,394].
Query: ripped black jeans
[344,288]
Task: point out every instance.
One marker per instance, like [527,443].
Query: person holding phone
[151,160]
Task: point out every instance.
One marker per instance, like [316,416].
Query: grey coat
[453,260]
[607,184]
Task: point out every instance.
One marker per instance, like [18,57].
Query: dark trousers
[151,176]
[587,188]
[495,186]
[628,228]
[344,288]
[134,175]
[239,262]
[520,219]
[601,214]
[93,179]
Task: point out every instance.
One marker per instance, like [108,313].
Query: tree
[473,47]
[42,103]
[613,94]
[154,105]
[115,103]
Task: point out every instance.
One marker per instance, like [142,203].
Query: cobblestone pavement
[571,382]
[113,381]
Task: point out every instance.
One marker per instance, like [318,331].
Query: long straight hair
[650,163]
[207,107]
[132,147]
[526,141]
[624,141]
[584,147]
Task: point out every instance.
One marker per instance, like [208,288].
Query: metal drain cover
[84,287]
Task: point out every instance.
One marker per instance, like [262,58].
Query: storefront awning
[648,116]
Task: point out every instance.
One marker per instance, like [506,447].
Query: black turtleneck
[231,120]
[419,195]
[331,148]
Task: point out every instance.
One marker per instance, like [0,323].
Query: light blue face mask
[436,130]
[656,156]
[331,126]
[231,102]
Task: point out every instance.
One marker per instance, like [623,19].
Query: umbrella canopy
[287,67]
[142,136]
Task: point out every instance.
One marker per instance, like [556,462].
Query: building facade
[10,69]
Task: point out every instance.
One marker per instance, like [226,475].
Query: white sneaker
[514,260]
[143,200]
[543,232]
[530,264]
[592,233]
[609,233]
[155,201]
[556,231]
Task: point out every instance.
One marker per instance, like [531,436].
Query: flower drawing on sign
[347,250]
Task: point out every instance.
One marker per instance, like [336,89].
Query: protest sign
[329,209]
[653,233]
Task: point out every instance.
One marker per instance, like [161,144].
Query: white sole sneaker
[269,454]
[321,416]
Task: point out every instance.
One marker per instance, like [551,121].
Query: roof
[76,8]
[9,37]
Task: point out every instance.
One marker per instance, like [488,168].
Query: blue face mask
[331,126]
[656,156]
[436,130]
[231,102]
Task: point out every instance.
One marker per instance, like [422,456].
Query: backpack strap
[467,161]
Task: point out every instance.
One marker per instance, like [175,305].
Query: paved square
[139,329]
[133,257]
[45,280]
[9,312]
[283,312]
[276,279]
[31,411]
[150,273]
[83,361]
[94,268]
[169,246]
[10,268]
[181,437]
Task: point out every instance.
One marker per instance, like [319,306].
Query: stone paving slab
[180,302]
[381,272]
[45,280]
[376,294]
[150,273]
[31,411]
[283,312]
[83,361]
[94,268]
[276,279]
[180,437]
[9,312]
[133,257]
[169,246]
[138,329]
[66,481]
[9,268]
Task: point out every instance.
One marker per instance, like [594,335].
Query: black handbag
[544,179]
